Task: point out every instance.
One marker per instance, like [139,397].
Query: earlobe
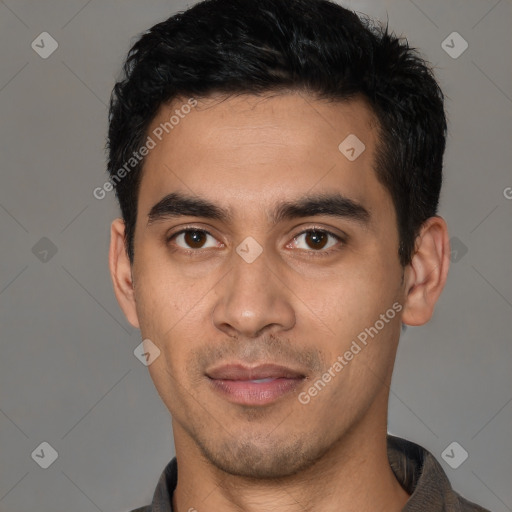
[121,272]
[427,272]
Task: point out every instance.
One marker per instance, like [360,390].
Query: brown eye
[194,239]
[316,239]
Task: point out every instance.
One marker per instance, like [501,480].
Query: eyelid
[339,236]
[189,227]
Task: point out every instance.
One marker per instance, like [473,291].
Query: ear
[427,272]
[121,272]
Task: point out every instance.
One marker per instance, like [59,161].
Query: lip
[261,371]
[236,382]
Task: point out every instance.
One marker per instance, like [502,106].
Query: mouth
[258,385]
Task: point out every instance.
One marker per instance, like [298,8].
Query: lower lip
[246,392]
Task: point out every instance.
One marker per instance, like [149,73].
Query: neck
[354,475]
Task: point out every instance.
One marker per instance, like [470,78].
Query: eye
[194,239]
[316,239]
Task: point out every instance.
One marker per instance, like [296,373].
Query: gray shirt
[415,468]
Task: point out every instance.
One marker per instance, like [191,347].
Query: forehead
[257,150]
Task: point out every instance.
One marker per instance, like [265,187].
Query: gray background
[68,375]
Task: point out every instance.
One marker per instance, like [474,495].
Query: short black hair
[313,46]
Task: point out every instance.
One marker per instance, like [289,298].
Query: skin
[290,306]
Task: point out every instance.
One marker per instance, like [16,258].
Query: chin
[254,462]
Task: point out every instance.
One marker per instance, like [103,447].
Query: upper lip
[262,371]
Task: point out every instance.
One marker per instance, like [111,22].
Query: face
[276,248]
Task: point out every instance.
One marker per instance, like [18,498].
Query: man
[278,165]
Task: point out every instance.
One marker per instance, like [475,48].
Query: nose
[252,300]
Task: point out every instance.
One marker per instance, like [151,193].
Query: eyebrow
[177,204]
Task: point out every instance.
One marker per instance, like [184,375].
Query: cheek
[159,295]
[175,338]
[171,309]
[356,299]
[155,307]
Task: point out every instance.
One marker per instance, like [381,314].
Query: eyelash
[312,253]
